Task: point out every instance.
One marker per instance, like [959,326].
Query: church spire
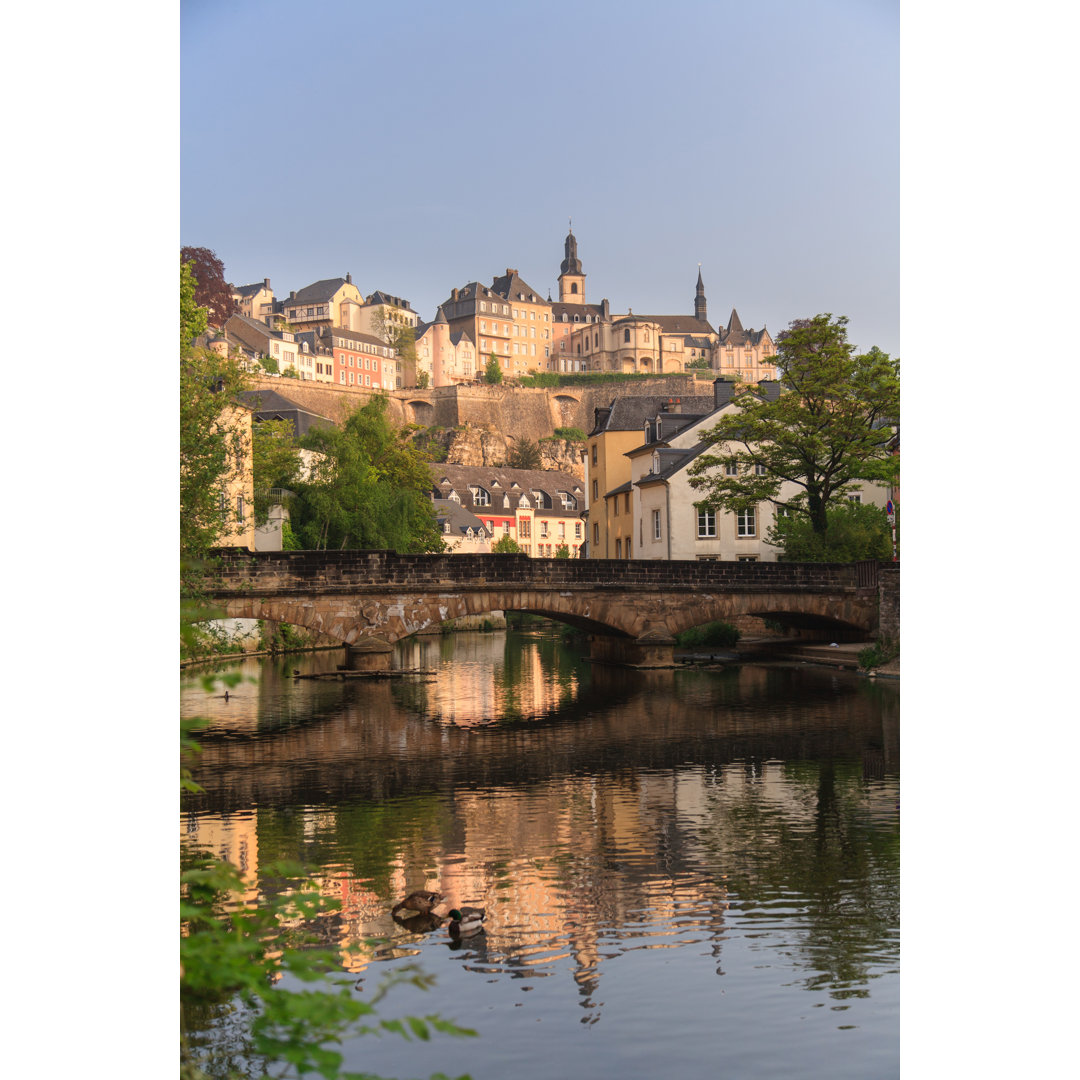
[571,277]
[699,298]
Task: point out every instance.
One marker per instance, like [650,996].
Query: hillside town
[329,332]
[628,490]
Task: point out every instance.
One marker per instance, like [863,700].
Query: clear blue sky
[421,145]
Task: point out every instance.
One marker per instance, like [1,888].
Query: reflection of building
[233,838]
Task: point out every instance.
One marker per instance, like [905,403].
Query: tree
[369,488]
[506,545]
[213,438]
[854,532]
[422,380]
[275,462]
[828,429]
[212,291]
[562,551]
[524,454]
[493,372]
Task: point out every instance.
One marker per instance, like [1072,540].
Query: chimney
[509,272]
[266,284]
[292,295]
[722,392]
[453,294]
[348,278]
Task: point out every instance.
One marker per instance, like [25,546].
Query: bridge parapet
[322,571]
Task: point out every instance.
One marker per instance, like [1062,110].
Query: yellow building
[331,302]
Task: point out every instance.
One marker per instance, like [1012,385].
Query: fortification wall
[517,412]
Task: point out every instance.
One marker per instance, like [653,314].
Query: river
[690,873]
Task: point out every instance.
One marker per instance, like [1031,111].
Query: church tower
[572,277]
[699,298]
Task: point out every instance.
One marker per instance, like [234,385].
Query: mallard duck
[465,921]
[420,901]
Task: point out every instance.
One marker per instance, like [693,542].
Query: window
[855,498]
[656,534]
[628,502]
[239,509]
[747,523]
[594,490]
[731,469]
[626,334]
[596,534]
[543,528]
[481,497]
[746,558]
[616,505]
[706,524]
[759,470]
[618,549]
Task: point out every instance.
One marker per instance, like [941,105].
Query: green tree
[269,364]
[854,532]
[562,551]
[506,545]
[524,454]
[275,462]
[422,380]
[213,432]
[369,488]
[493,374]
[827,430]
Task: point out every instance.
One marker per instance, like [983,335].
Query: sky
[421,145]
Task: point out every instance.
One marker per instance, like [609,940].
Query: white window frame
[746,523]
[706,524]
[657,526]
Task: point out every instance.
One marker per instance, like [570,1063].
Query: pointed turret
[733,323]
[699,298]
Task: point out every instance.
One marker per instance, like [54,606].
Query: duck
[465,921]
[420,901]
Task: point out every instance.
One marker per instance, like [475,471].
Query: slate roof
[734,334]
[318,291]
[379,297]
[630,413]
[270,405]
[461,520]
[509,286]
[250,290]
[500,481]
[675,324]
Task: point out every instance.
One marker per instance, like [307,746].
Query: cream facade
[255,301]
[530,329]
[448,357]
[236,498]
[331,302]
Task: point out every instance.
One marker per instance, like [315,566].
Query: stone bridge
[633,609]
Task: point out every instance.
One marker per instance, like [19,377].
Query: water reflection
[595,813]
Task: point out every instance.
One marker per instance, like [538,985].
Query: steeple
[699,298]
[572,277]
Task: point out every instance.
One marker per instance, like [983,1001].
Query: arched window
[626,334]
[573,287]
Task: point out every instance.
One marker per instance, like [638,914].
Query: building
[541,510]
[666,522]
[485,317]
[361,360]
[315,355]
[618,429]
[331,302]
[446,357]
[236,497]
[256,339]
[462,531]
[644,344]
[744,354]
[530,331]
[571,310]
[255,301]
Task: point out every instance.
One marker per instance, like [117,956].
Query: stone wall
[516,412]
[889,602]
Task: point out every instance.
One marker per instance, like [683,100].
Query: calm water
[691,873]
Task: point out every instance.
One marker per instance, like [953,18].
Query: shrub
[720,634]
[881,652]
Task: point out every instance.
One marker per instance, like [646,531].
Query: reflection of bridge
[368,600]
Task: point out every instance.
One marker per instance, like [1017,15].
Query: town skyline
[442,145]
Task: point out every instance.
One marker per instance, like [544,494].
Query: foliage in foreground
[853,532]
[232,958]
[506,545]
